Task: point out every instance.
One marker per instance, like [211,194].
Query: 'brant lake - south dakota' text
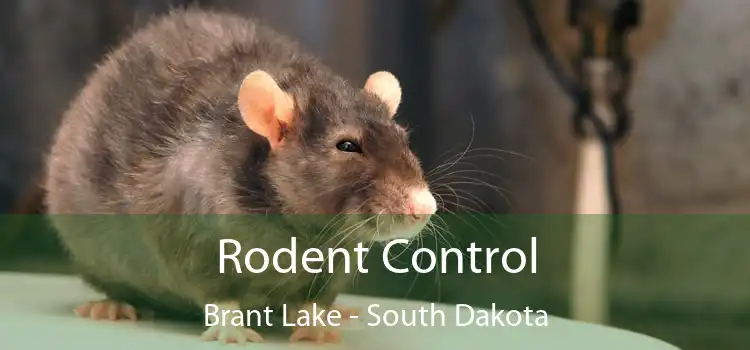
[430,315]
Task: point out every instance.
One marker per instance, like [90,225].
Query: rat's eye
[348,146]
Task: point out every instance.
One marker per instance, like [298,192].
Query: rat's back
[152,115]
[151,102]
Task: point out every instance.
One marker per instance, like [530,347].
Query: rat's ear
[386,87]
[264,107]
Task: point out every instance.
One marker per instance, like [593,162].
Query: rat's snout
[421,203]
[408,215]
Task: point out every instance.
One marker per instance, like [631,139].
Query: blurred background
[470,74]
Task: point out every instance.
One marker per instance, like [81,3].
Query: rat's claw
[231,334]
[323,334]
[129,312]
[106,309]
[319,335]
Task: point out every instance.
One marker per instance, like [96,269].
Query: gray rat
[206,113]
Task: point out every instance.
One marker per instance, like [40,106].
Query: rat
[214,115]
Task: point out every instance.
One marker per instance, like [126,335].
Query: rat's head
[342,153]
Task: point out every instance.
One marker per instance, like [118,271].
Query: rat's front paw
[320,335]
[316,326]
[106,309]
[231,334]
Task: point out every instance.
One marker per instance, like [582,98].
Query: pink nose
[422,202]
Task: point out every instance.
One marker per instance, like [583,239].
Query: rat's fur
[157,130]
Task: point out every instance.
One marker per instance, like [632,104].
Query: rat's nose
[422,203]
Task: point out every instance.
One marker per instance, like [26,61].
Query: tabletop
[36,313]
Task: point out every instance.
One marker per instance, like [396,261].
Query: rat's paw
[320,335]
[231,334]
[106,310]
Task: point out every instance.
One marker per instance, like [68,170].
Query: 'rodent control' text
[257,260]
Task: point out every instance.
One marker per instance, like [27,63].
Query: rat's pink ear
[264,107]
[386,87]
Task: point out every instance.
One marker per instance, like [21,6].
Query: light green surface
[36,313]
